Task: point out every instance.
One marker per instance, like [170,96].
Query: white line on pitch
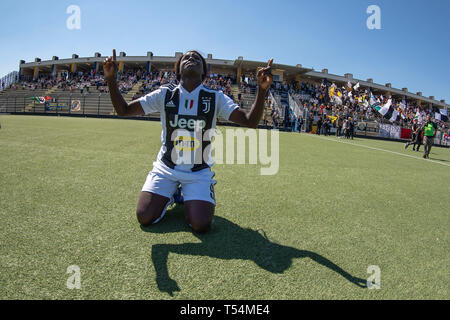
[362,145]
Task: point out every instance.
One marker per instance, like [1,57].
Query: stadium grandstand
[298,98]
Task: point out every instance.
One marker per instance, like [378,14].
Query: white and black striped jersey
[188,122]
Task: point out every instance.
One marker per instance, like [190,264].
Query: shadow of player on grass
[226,240]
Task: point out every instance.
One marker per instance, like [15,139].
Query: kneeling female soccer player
[188,111]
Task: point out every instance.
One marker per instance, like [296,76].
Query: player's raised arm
[122,108]
[252,119]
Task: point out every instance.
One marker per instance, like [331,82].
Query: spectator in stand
[338,124]
[345,128]
[319,126]
[326,126]
[351,127]
[300,124]
[310,122]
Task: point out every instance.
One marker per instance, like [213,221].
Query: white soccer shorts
[164,181]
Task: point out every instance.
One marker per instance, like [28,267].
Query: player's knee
[201,226]
[145,217]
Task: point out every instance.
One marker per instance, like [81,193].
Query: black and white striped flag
[441,115]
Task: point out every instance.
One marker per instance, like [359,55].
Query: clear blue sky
[411,50]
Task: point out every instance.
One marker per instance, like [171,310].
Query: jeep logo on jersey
[186,143]
[183,123]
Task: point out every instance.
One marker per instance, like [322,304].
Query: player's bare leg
[150,207]
[199,215]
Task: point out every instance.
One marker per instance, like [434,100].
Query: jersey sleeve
[225,106]
[153,102]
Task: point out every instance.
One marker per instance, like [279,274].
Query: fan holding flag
[441,115]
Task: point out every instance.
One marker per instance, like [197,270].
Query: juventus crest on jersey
[188,121]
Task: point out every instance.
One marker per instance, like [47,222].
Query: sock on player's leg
[178,196]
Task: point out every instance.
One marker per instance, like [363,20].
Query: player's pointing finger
[259,71]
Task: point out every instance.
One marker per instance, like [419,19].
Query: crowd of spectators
[76,82]
[152,81]
[83,82]
[314,99]
[351,104]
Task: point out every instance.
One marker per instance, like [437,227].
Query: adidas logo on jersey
[170,104]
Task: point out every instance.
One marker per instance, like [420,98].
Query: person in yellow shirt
[429,132]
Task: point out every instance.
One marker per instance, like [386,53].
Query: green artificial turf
[69,189]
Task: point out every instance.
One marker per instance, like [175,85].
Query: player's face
[191,64]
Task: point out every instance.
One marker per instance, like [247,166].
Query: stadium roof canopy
[151,62]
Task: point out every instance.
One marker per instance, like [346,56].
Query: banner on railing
[389,131]
[76,106]
[442,138]
[396,132]
[41,100]
[445,139]
[405,133]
